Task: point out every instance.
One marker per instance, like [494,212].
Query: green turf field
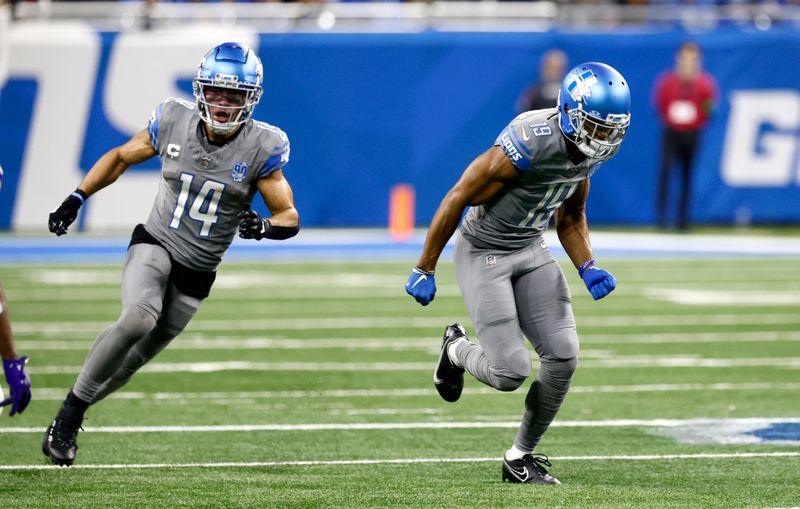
[309,385]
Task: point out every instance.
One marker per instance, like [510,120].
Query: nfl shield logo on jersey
[239,171]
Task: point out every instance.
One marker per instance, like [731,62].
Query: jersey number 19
[553,198]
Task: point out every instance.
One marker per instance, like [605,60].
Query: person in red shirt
[685,98]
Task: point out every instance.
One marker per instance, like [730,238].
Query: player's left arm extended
[104,172]
[116,161]
[284,221]
[573,233]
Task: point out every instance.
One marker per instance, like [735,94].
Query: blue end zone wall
[367,111]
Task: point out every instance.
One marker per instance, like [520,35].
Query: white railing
[407,17]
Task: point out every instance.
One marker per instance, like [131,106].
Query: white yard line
[739,296]
[638,361]
[685,361]
[640,320]
[111,295]
[83,277]
[283,298]
[258,343]
[367,426]
[402,461]
[196,341]
[58,394]
[212,367]
[752,336]
[403,323]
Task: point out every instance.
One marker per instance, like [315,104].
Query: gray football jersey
[517,216]
[201,190]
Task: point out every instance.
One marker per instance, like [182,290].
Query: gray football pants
[510,294]
[154,311]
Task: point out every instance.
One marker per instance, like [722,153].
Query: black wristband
[275,232]
[80,195]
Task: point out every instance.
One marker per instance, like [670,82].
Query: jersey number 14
[211,192]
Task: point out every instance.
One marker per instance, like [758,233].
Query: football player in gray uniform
[214,159]
[540,165]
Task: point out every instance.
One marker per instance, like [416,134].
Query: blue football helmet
[594,108]
[231,66]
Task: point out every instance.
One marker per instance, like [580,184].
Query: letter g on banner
[761,140]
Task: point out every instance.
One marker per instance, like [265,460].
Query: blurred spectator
[685,98]
[544,94]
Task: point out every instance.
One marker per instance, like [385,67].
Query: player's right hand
[421,285]
[65,214]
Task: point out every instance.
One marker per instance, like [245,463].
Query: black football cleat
[59,442]
[48,437]
[447,377]
[529,470]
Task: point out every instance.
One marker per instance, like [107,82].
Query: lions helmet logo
[581,85]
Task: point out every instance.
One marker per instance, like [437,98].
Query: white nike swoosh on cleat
[522,475]
[436,379]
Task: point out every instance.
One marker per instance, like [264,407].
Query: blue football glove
[19,383]
[421,285]
[599,282]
